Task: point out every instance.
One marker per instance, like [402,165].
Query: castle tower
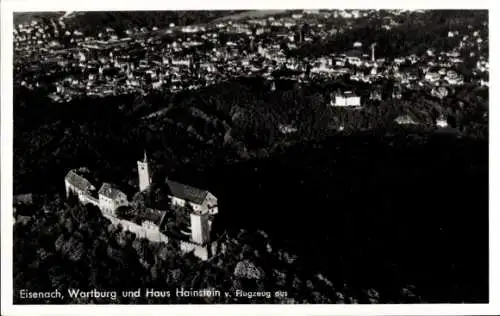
[200,232]
[144,176]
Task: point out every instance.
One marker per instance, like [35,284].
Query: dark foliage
[382,219]
[375,212]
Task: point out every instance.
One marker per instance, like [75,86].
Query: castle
[109,198]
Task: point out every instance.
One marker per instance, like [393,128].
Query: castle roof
[110,190]
[78,181]
[186,192]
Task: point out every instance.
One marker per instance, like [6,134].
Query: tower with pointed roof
[144,173]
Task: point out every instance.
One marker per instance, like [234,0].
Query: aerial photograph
[251,157]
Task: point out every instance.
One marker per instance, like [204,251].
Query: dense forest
[375,211]
[381,219]
[188,133]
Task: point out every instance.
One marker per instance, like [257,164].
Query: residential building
[346,99]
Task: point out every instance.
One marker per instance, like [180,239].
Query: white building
[287,128]
[76,184]
[439,92]
[357,44]
[453,78]
[111,198]
[200,200]
[354,60]
[432,76]
[442,122]
[346,99]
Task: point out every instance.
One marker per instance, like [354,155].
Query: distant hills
[90,23]
[22,17]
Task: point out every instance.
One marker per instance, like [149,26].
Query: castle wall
[87,199]
[154,235]
[151,234]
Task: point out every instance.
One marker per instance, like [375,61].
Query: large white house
[200,200]
[346,99]
[441,121]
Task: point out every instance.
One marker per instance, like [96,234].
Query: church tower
[144,176]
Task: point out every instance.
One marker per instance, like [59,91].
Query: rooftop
[186,192]
[78,181]
[110,190]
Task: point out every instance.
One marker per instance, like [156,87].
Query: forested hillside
[381,219]
[413,205]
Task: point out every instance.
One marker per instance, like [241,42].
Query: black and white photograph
[291,156]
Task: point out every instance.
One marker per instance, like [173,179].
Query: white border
[9,6]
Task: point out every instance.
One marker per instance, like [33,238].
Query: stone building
[77,184]
[110,198]
[200,200]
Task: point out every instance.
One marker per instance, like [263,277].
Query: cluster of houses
[144,59]
[109,198]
